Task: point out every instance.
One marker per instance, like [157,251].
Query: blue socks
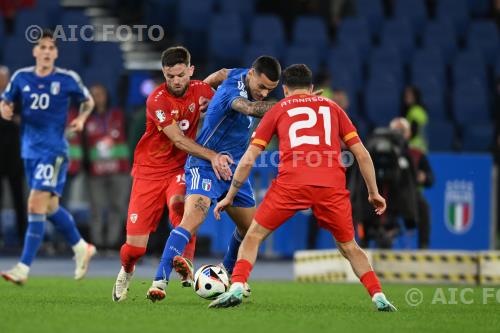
[33,238]
[232,251]
[65,224]
[176,242]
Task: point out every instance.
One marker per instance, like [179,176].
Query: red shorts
[148,199]
[331,207]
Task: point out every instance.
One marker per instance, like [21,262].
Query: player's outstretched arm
[86,108]
[7,110]
[255,109]
[368,171]
[240,177]
[220,163]
[215,79]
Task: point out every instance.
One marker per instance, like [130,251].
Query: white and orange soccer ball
[210,281]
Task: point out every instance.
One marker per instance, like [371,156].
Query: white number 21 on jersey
[295,140]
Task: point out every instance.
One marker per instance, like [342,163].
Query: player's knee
[38,203]
[348,249]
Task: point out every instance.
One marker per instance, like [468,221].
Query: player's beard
[177,93]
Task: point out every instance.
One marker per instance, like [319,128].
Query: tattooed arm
[256,109]
[240,177]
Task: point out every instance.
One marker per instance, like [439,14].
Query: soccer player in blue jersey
[226,129]
[44,92]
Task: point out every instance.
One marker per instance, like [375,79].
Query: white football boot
[83,253]
[120,289]
[17,274]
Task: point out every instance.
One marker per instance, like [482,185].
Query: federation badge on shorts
[192,107]
[55,87]
[160,115]
[206,184]
[133,218]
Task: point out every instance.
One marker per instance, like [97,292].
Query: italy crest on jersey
[206,184]
[459,204]
[55,87]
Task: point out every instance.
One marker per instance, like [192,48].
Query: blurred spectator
[9,8]
[75,154]
[425,178]
[341,98]
[109,181]
[324,82]
[416,114]
[11,167]
[496,12]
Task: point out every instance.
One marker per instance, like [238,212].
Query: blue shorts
[204,182]
[47,173]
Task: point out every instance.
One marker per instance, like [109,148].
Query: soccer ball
[210,281]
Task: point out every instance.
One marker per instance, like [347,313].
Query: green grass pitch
[63,305]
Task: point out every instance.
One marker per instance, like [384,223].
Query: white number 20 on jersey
[295,140]
[40,101]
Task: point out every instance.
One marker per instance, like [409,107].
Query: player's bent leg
[182,264]
[242,217]
[65,224]
[364,271]
[38,203]
[247,256]
[195,212]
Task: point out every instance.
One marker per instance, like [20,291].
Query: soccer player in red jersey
[310,130]
[173,111]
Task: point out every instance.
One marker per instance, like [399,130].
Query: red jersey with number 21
[155,155]
[310,130]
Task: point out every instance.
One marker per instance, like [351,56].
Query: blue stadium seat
[433,97]
[470,103]
[69,57]
[17,53]
[441,34]
[386,59]
[253,51]
[441,135]
[342,60]
[372,12]
[26,18]
[2,39]
[107,54]
[245,9]
[497,68]
[457,11]
[303,54]
[193,18]
[382,102]
[469,65]
[268,29]
[226,40]
[311,31]
[400,33]
[428,63]
[161,12]
[195,15]
[414,10]
[52,10]
[483,36]
[479,7]
[354,31]
[478,137]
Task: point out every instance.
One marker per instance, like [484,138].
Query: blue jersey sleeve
[233,89]
[77,89]
[12,91]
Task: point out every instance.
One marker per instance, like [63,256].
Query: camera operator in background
[396,179]
[424,178]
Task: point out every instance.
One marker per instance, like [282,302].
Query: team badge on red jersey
[192,107]
[133,218]
[160,115]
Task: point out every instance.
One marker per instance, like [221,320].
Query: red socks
[371,283]
[241,271]
[130,255]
